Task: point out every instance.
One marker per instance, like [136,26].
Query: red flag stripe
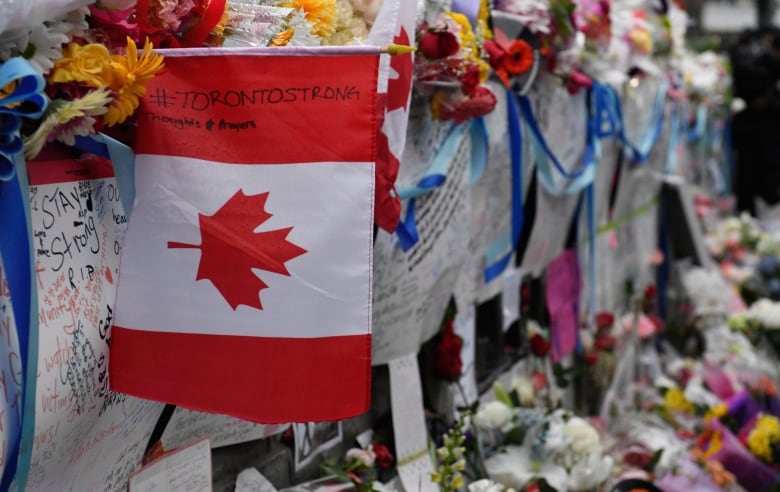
[298,379]
[68,170]
[274,102]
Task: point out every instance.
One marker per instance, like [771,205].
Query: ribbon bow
[21,95]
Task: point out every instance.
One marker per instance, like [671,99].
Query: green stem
[480,468]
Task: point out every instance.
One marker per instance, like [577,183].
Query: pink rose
[365,456]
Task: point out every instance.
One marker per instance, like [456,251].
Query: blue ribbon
[22,96]
[434,177]
[496,255]
[122,159]
[543,156]
[480,148]
[700,124]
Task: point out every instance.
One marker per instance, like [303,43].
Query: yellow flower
[483,20]
[131,74]
[282,38]
[320,13]
[435,477]
[72,118]
[675,399]
[90,64]
[457,481]
[718,411]
[764,435]
[466,34]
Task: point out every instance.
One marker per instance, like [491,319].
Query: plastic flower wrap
[534,14]
[718,443]
[707,291]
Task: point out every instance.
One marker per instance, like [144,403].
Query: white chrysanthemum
[493,415]
[485,485]
[41,44]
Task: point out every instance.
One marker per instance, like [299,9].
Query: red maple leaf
[230,249]
[398,88]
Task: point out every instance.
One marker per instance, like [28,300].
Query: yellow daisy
[131,74]
[66,119]
[321,14]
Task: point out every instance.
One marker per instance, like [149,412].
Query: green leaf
[515,436]
[654,460]
[502,395]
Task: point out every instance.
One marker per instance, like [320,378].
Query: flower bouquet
[718,443]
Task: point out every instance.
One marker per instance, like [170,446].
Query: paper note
[187,469]
[411,435]
[10,374]
[251,480]
[86,437]
[314,438]
[510,297]
[551,227]
[412,288]
[562,293]
[222,430]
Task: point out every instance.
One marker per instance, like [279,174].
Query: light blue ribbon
[674,139]
[700,124]
[543,156]
[434,177]
[23,97]
[640,151]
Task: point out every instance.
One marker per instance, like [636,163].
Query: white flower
[591,472]
[485,485]
[664,382]
[525,390]
[583,436]
[493,415]
[365,456]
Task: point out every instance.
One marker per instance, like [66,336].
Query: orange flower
[519,57]
[719,474]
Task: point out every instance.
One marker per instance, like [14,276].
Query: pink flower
[365,456]
[168,14]
[577,81]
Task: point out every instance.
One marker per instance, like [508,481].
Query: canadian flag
[245,280]
[395,23]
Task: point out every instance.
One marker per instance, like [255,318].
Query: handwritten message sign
[412,289]
[10,374]
[185,470]
[86,437]
[222,430]
[411,445]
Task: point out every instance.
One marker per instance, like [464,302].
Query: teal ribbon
[22,97]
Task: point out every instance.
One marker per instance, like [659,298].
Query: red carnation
[438,44]
[640,459]
[539,346]
[384,458]
[592,358]
[605,320]
[538,380]
[605,342]
[470,79]
[449,365]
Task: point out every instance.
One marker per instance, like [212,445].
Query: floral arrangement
[451,69]
[763,439]
[360,466]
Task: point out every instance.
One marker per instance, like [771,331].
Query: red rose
[539,346]
[449,365]
[384,458]
[538,380]
[534,487]
[592,358]
[605,342]
[470,79]
[650,291]
[638,459]
[479,103]
[438,44]
[605,320]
